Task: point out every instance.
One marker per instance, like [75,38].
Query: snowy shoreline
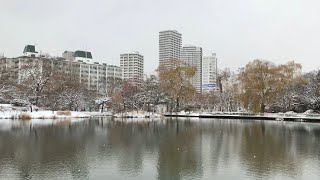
[21,115]
[137,114]
[288,116]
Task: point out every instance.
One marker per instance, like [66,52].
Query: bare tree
[262,81]
[175,81]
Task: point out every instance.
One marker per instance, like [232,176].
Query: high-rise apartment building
[193,56]
[169,45]
[132,67]
[209,73]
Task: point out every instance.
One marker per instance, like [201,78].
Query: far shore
[308,116]
[28,115]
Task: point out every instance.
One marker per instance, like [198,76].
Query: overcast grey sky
[237,30]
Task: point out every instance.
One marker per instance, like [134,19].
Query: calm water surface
[166,149]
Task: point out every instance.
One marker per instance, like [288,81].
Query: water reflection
[163,149]
[180,151]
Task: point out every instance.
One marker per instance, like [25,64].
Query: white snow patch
[139,114]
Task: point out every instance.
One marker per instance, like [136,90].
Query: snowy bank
[183,114]
[42,115]
[49,114]
[139,114]
[8,111]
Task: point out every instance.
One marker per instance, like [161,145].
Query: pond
[171,148]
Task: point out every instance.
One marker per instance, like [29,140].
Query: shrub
[19,102]
[24,116]
[64,113]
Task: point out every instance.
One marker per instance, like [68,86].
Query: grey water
[102,148]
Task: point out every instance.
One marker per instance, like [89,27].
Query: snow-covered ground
[7,111]
[189,114]
[139,114]
[42,115]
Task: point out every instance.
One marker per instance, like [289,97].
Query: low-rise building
[80,64]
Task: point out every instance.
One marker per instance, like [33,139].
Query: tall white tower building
[169,45]
[193,56]
[209,73]
[132,67]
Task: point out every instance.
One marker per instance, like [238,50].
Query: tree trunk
[167,107]
[262,107]
[178,104]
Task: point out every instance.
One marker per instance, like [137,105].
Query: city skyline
[278,31]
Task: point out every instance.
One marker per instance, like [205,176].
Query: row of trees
[258,87]
[40,84]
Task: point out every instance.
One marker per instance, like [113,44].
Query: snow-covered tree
[114,85]
[228,91]
[312,90]
[129,97]
[34,78]
[102,101]
[150,94]
[7,84]
[69,93]
[292,97]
